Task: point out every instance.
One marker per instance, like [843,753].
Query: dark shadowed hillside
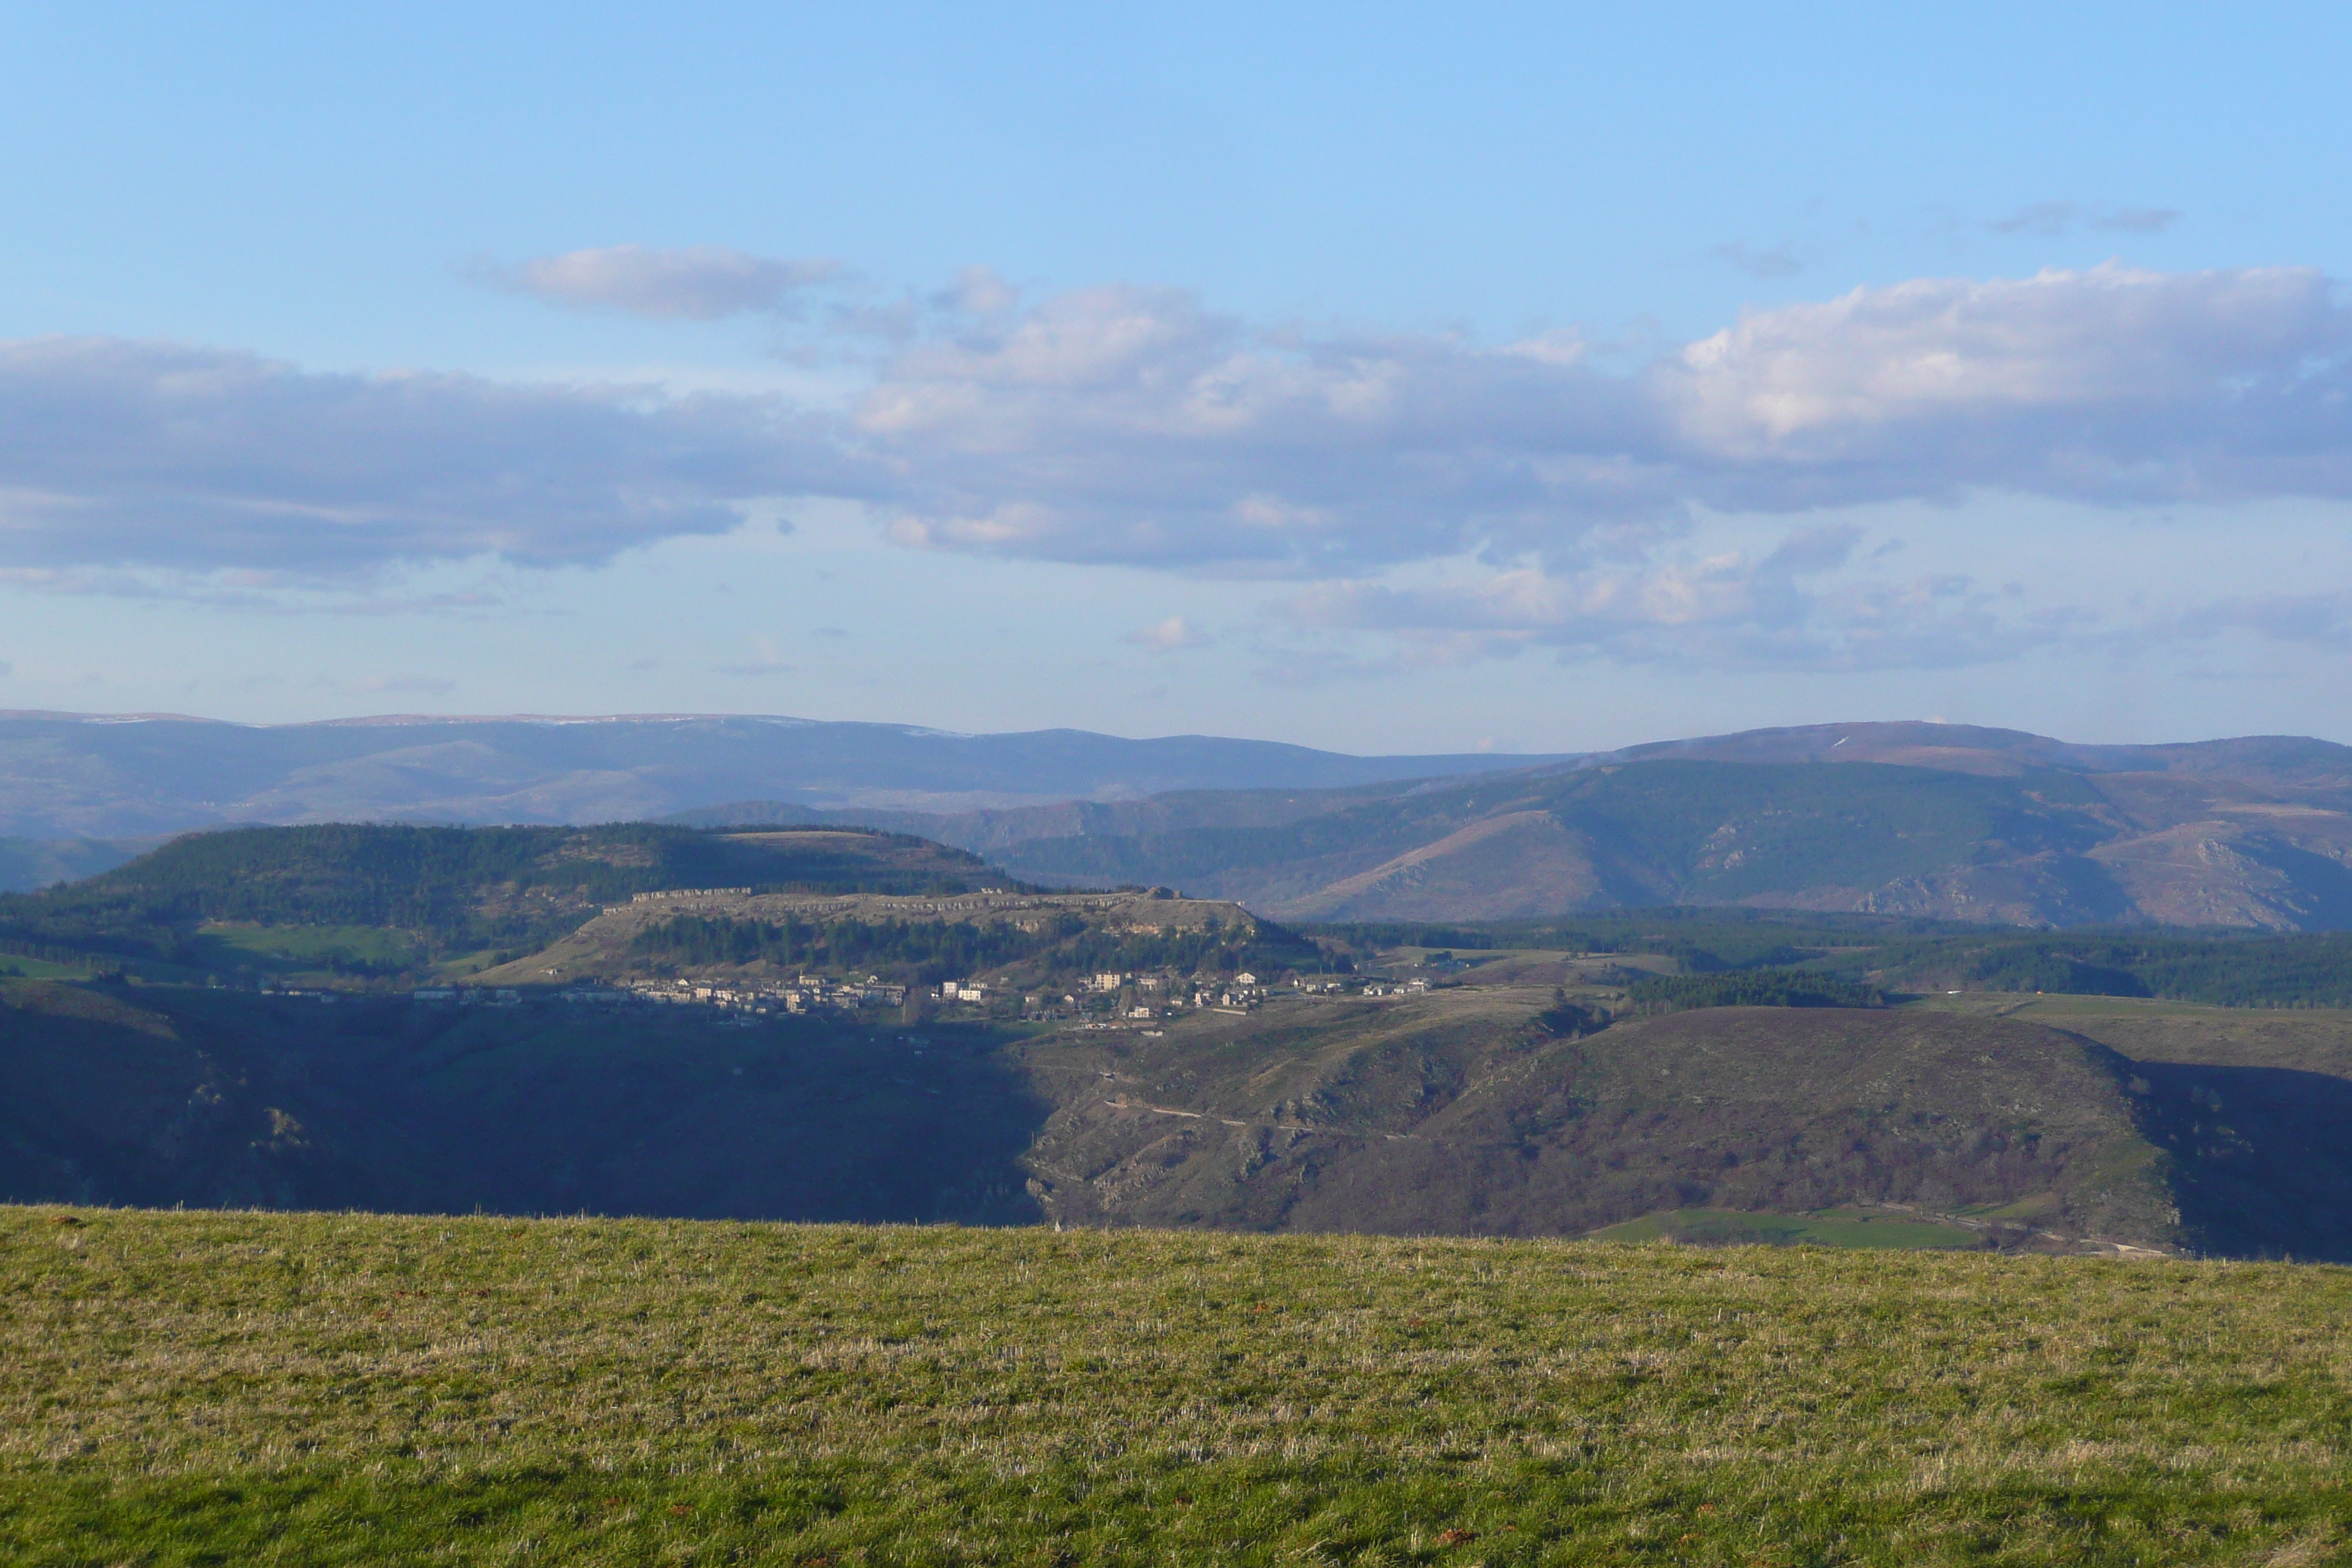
[1477,1111]
[221,1100]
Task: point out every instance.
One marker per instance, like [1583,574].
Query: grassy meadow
[1830,1227]
[258,1388]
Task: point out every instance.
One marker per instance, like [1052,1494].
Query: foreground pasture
[325,1389]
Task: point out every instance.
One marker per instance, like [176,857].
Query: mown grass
[330,1389]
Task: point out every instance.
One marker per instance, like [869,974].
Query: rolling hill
[203,900]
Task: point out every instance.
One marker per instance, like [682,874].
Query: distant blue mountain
[66,776]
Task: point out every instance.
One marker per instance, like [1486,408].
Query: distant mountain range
[1945,821]
[65,775]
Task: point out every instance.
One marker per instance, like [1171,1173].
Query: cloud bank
[1133,424]
[117,453]
[1136,426]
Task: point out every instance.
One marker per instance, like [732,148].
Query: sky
[1384,378]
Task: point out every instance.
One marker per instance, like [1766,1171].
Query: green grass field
[249,1388]
[1830,1227]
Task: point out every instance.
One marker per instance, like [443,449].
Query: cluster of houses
[1143,997]
[810,993]
[464,996]
[1155,995]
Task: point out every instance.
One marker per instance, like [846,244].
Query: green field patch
[15,967]
[2039,1207]
[1824,1227]
[279,948]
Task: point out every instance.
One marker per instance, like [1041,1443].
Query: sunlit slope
[1465,1114]
[2030,844]
[612,944]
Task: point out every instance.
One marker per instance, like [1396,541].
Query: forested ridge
[456,888]
[2298,970]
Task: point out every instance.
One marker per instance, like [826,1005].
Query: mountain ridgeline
[1944,821]
[1937,821]
[66,776]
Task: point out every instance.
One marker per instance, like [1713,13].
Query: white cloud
[1136,425]
[2108,380]
[697,282]
[1169,634]
[1132,425]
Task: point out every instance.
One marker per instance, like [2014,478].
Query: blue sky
[1382,378]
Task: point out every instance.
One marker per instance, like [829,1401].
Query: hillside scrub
[1749,988]
[2306,969]
[178,1388]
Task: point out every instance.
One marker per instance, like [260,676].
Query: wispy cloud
[1726,609]
[2052,220]
[2318,620]
[2039,217]
[2138,220]
[698,282]
[767,659]
[1776,261]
